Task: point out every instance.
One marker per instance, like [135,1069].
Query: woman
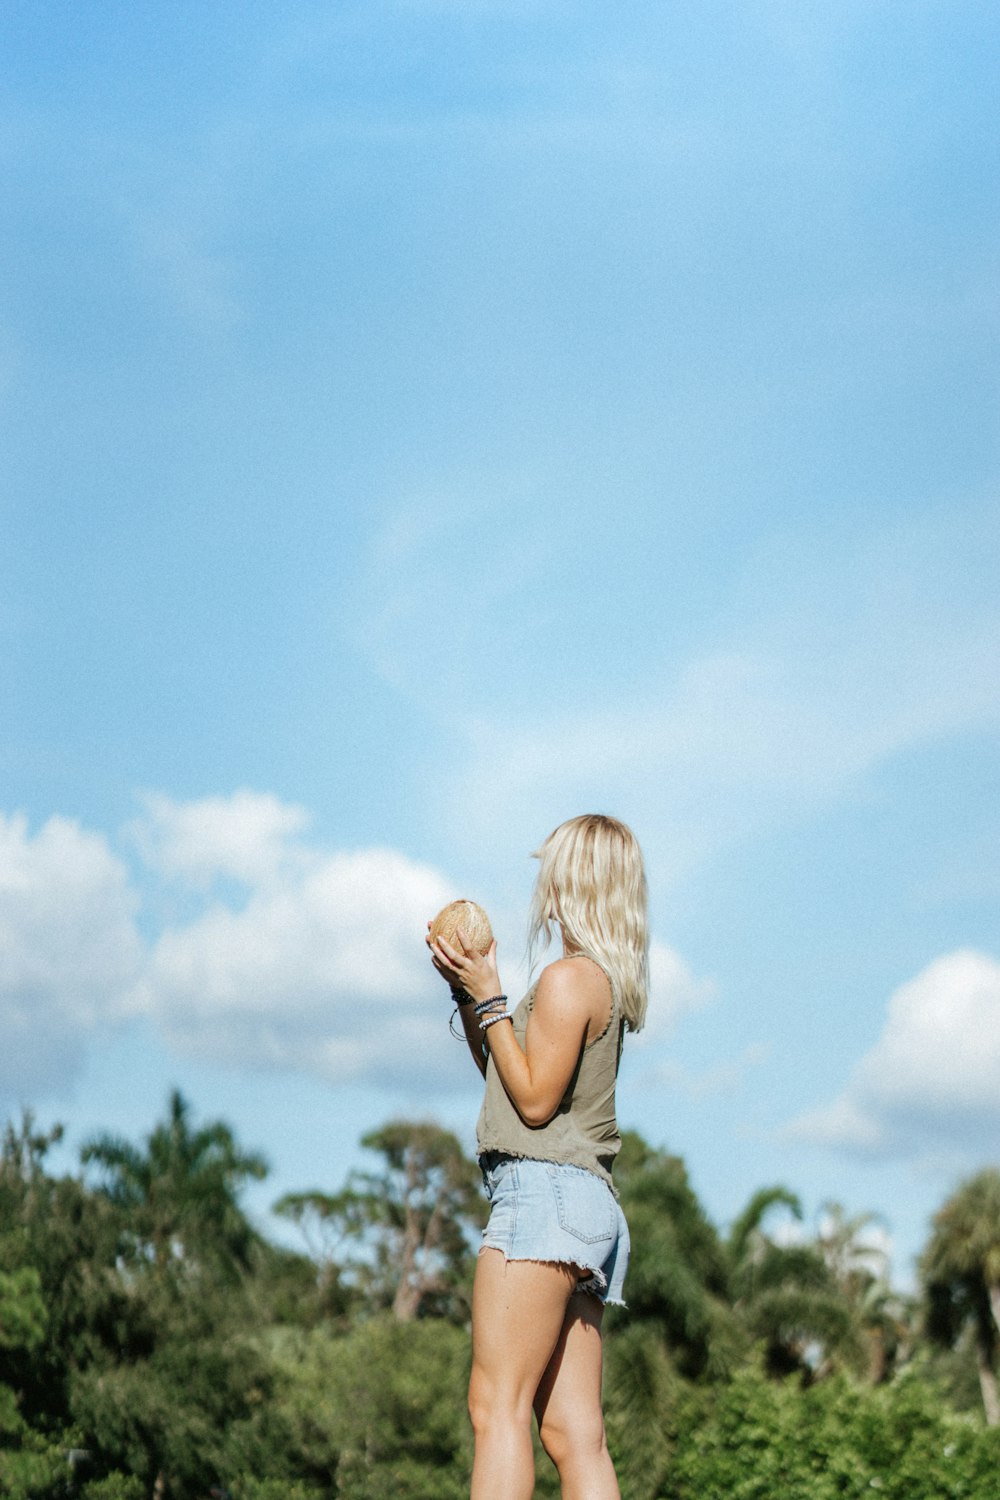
[556,1245]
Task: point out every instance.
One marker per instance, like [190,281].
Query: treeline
[154,1344]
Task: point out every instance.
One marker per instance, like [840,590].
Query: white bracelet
[488,1021]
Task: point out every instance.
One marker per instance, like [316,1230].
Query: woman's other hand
[465,967]
[441,964]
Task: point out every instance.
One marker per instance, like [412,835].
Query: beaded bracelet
[491,1020]
[486,1005]
[461,997]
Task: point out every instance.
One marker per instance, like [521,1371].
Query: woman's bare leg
[518,1307]
[568,1406]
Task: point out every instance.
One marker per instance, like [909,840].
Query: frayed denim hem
[594,1284]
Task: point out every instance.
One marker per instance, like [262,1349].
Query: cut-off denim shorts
[543,1210]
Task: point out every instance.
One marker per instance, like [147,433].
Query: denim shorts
[543,1210]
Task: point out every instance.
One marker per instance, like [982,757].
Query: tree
[378,1412]
[176,1396]
[180,1194]
[171,1380]
[961,1274]
[677,1278]
[860,1269]
[403,1233]
[787,1294]
[32,1415]
[640,1385]
[57,1252]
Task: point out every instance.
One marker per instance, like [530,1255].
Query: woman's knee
[572,1435]
[479,1403]
[491,1406]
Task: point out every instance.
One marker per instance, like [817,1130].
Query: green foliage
[180,1194]
[403,1232]
[640,1391]
[22,1309]
[144,1321]
[250,1488]
[186,1393]
[961,1274]
[57,1249]
[757,1439]
[116,1486]
[381,1409]
[32,1465]
[678,1274]
[787,1296]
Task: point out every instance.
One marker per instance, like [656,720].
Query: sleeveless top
[583,1132]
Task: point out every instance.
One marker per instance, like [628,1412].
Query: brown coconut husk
[471,918]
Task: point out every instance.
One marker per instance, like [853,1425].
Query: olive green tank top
[583,1132]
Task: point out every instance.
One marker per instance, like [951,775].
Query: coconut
[471,918]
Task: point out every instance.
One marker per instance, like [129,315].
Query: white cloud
[933,1076]
[322,969]
[318,967]
[674,992]
[325,971]
[246,836]
[69,949]
[304,959]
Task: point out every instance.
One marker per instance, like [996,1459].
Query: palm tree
[184,1244]
[180,1193]
[861,1272]
[961,1274]
[853,1259]
[786,1295]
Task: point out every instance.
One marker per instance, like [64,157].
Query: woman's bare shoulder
[576,982]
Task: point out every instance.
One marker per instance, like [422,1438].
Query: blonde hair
[592,884]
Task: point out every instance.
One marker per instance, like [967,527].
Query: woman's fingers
[462,941]
[467,969]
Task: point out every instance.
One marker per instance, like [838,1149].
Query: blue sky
[422,422]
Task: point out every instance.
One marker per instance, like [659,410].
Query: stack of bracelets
[492,1010]
[488,1011]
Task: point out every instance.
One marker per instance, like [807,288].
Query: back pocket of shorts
[585,1205]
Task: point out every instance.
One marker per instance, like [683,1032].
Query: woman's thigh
[518,1308]
[568,1406]
[568,1399]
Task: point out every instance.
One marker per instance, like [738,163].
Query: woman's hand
[465,968]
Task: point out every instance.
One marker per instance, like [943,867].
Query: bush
[249,1488]
[381,1410]
[756,1439]
[116,1486]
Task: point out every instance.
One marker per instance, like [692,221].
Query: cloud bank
[933,1076]
[70,951]
[286,956]
[276,952]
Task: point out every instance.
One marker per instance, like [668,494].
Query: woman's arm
[537,1076]
[571,995]
[488,979]
[475,1037]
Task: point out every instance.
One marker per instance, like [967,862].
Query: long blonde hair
[591,883]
